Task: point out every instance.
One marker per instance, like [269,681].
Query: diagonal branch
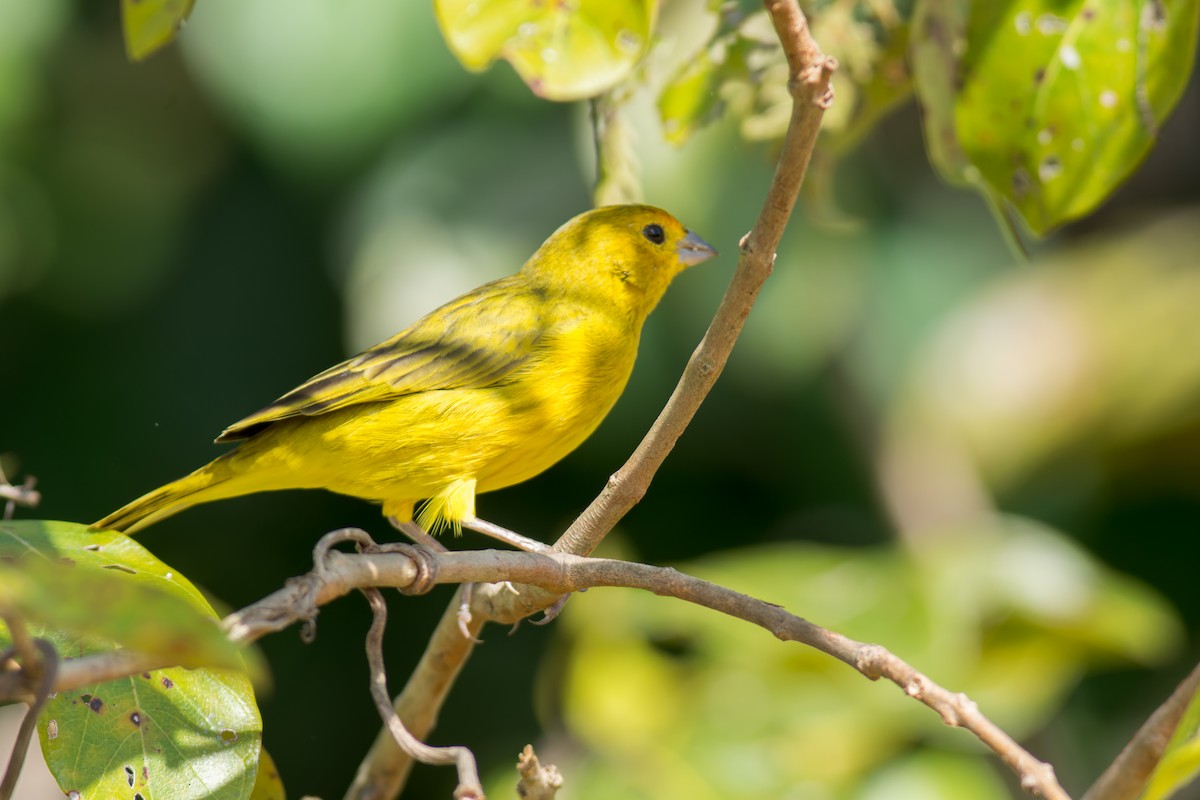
[1126,777]
[381,775]
[811,71]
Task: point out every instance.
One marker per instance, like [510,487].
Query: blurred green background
[992,469]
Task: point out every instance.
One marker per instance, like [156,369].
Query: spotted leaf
[1050,105]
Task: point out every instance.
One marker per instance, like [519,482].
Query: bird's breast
[559,400]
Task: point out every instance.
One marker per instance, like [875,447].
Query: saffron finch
[487,391]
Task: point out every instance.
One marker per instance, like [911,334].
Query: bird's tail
[201,486]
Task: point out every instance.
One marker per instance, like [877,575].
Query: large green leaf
[151,24]
[1053,103]
[562,50]
[177,732]
[173,733]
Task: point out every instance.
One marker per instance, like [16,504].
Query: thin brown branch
[468,787]
[563,573]
[1126,777]
[959,711]
[43,667]
[811,71]
[385,768]
[331,578]
[558,574]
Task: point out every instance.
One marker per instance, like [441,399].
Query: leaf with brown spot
[184,733]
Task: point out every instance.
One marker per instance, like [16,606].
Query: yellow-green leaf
[267,784]
[562,50]
[151,24]
[67,581]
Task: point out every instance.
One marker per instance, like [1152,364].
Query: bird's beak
[693,250]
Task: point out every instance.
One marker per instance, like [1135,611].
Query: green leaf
[174,733]
[742,69]
[563,51]
[62,599]
[177,732]
[1180,762]
[1054,103]
[151,24]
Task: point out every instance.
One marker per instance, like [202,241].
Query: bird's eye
[654,233]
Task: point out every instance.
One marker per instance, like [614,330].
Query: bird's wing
[474,341]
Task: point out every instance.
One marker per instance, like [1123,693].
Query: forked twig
[469,787]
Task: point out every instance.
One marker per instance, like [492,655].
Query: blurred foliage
[682,702]
[1042,105]
[1067,355]
[190,731]
[982,467]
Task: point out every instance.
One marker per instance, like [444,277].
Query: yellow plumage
[485,392]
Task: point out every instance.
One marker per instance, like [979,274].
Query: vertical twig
[810,71]
[44,668]
[385,768]
[469,787]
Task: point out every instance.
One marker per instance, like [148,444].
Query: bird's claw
[549,614]
[464,614]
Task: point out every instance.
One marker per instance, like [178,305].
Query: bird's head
[622,256]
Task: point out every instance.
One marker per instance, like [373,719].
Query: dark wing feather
[474,341]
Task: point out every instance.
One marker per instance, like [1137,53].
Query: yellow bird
[487,391]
